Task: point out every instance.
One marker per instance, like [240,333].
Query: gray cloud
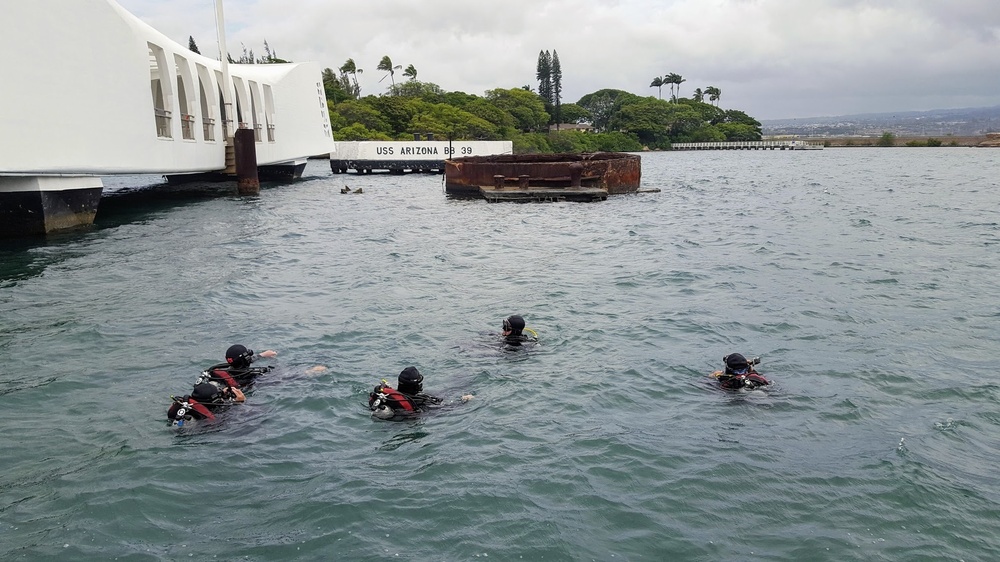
[771,58]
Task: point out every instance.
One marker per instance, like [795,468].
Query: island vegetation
[535,120]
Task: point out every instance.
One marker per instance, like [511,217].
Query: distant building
[583,127]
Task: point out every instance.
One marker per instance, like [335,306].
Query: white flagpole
[227,86]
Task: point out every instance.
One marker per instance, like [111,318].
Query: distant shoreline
[915,141]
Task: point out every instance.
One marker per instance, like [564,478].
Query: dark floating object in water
[543,177]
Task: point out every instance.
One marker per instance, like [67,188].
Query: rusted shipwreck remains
[543,177]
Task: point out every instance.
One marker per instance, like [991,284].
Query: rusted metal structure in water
[543,177]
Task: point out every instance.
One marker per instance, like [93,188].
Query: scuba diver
[406,400]
[206,398]
[218,386]
[237,367]
[739,373]
[513,331]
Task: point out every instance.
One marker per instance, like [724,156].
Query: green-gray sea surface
[867,280]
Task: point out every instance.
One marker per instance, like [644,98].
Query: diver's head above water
[513,326]
[410,381]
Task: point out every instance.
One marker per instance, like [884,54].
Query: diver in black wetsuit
[739,373]
[205,400]
[219,386]
[411,383]
[513,331]
[237,367]
[407,399]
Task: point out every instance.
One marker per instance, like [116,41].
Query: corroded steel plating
[615,171]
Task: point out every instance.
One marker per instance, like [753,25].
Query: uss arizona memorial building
[88,89]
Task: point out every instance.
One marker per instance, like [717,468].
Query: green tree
[458,99]
[385,65]
[526,108]
[570,141]
[543,72]
[706,112]
[350,68]
[504,122]
[706,133]
[658,84]
[530,143]
[246,58]
[410,72]
[739,132]
[674,80]
[427,91]
[658,123]
[192,46]
[556,87]
[684,122]
[270,56]
[887,139]
[573,113]
[713,94]
[337,121]
[333,86]
[698,95]
[357,111]
[576,141]
[738,117]
[396,111]
[444,120]
[628,121]
[358,132]
[615,141]
[603,104]
[647,118]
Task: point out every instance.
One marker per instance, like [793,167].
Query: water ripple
[864,278]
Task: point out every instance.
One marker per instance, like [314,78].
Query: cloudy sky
[771,58]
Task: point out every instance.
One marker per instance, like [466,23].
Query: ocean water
[867,280]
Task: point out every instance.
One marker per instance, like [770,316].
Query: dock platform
[749,145]
[542,194]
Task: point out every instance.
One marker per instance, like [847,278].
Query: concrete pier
[40,204]
[748,145]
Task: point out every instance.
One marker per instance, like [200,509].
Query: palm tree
[672,79]
[698,95]
[658,84]
[410,72]
[350,68]
[385,65]
[713,94]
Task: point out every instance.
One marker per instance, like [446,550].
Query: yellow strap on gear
[533,333]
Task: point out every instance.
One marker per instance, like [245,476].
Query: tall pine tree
[192,46]
[544,75]
[556,73]
[549,74]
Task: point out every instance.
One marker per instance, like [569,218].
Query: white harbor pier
[749,145]
[90,90]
